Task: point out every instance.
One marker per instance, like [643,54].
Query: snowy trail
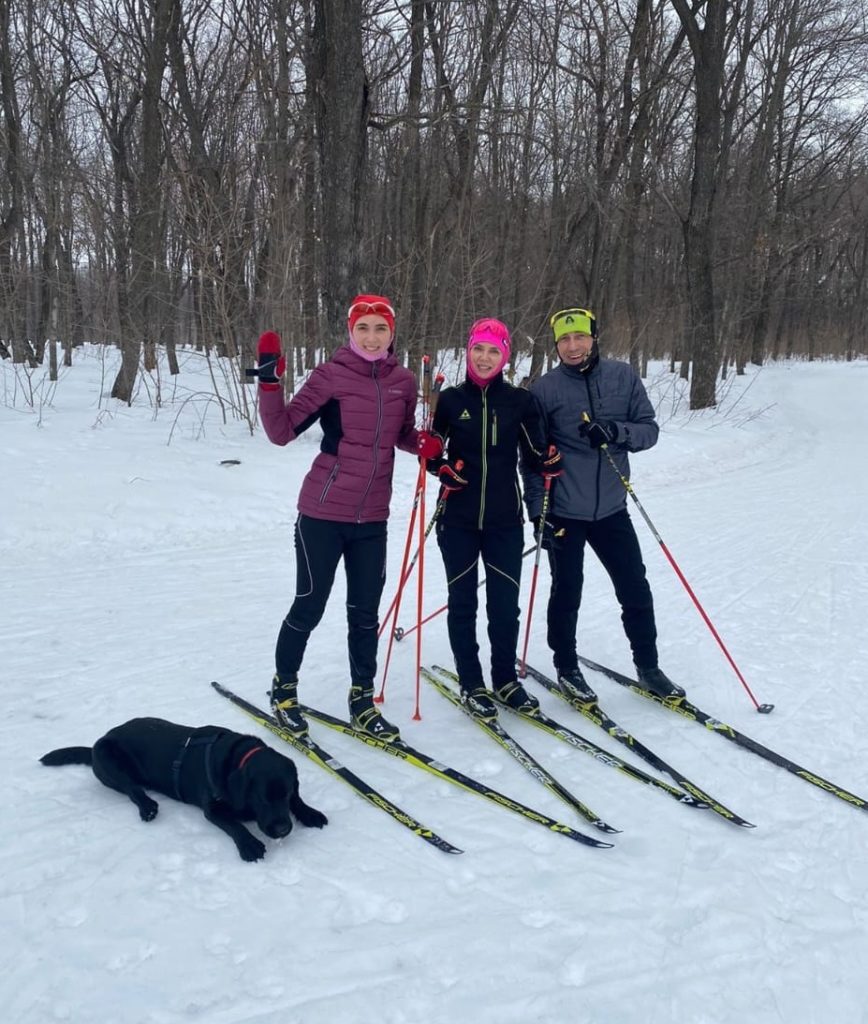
[134,572]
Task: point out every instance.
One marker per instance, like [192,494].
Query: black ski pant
[613,540]
[500,549]
[319,546]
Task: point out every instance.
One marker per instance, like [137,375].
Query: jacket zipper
[599,450]
[331,479]
[376,379]
[484,456]
[494,427]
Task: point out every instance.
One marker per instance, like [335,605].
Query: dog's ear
[233,773]
[236,788]
[291,781]
[291,774]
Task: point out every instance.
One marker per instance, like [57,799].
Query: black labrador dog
[233,778]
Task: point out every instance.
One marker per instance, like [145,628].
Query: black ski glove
[552,535]
[450,476]
[548,463]
[599,432]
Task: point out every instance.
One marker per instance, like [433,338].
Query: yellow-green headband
[573,321]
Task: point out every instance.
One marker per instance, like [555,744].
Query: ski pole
[420,579]
[438,511]
[405,572]
[420,582]
[522,672]
[396,604]
[418,498]
[763,709]
[400,632]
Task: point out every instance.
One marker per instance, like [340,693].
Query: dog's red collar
[248,755]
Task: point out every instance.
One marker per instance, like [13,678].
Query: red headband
[362,305]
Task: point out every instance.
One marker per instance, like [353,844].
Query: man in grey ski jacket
[592,408]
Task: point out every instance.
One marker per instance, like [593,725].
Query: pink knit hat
[488,331]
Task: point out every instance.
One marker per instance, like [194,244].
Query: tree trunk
[342,113]
[707,46]
[145,233]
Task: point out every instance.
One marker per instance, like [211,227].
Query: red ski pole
[420,579]
[420,582]
[396,604]
[763,709]
[418,497]
[438,511]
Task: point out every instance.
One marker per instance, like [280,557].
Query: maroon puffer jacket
[366,410]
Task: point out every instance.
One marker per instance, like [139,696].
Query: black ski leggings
[500,549]
[319,546]
[615,543]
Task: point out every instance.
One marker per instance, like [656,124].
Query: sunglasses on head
[363,308]
[494,327]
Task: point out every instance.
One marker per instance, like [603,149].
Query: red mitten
[429,445]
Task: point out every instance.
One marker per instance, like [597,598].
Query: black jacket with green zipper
[486,428]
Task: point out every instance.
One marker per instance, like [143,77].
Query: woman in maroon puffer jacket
[366,404]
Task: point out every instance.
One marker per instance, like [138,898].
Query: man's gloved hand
[450,476]
[552,535]
[429,445]
[599,432]
[270,363]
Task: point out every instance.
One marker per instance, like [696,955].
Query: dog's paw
[308,816]
[251,849]
[148,809]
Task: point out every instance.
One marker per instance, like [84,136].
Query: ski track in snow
[135,571]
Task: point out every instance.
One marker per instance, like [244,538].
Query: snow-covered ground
[135,570]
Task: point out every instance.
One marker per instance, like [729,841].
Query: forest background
[191,172]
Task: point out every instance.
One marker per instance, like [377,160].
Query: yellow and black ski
[404,752]
[682,706]
[446,681]
[311,749]
[595,714]
[574,739]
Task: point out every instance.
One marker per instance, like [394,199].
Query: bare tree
[195,172]
[342,112]
[12,190]
[708,46]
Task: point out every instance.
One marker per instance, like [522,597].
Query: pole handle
[439,380]
[426,387]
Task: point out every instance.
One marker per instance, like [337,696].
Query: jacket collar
[494,384]
[575,373]
[346,357]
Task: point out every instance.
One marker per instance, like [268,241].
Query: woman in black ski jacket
[484,422]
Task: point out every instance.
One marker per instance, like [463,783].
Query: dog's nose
[282,829]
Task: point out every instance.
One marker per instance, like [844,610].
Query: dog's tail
[68,755]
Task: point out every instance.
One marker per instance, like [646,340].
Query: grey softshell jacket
[589,488]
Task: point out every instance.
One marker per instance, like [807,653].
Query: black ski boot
[574,685]
[515,696]
[658,683]
[478,702]
[365,717]
[284,704]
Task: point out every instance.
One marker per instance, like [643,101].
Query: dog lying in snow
[232,777]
